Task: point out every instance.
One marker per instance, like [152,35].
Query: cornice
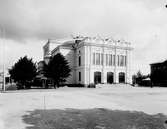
[105,45]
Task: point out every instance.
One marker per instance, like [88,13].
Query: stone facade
[93,60]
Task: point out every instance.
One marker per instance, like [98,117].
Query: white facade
[94,60]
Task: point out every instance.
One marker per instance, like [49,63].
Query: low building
[93,60]
[40,79]
[159,73]
[40,67]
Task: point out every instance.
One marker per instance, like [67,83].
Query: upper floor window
[107,60]
[121,60]
[118,60]
[94,60]
[79,60]
[125,60]
[110,59]
[113,60]
[97,58]
[101,58]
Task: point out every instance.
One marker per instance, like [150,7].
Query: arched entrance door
[121,77]
[97,77]
[110,77]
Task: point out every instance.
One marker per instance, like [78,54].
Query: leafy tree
[139,74]
[137,79]
[57,69]
[23,71]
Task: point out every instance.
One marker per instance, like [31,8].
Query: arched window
[121,77]
[97,77]
[110,77]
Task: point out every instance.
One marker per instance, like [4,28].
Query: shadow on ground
[98,118]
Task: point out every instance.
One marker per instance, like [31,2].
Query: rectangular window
[121,60]
[125,60]
[79,61]
[114,60]
[109,60]
[106,59]
[79,76]
[101,59]
[94,59]
[97,58]
[118,60]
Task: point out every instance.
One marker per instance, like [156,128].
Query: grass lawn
[97,118]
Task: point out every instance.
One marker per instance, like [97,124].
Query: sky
[25,26]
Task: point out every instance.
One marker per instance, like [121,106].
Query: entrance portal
[97,77]
[121,77]
[110,77]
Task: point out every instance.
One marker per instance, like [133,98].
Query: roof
[68,43]
[147,79]
[71,40]
[41,61]
[59,40]
[159,63]
[74,41]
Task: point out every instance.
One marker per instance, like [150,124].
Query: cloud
[54,18]
[144,23]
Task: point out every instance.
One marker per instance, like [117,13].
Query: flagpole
[3,47]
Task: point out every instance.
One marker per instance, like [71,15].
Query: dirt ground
[16,104]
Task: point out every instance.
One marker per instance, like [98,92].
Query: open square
[16,104]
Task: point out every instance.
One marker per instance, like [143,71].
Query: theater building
[93,60]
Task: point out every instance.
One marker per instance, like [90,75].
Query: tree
[23,71]
[57,69]
[137,79]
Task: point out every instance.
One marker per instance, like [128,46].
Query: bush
[11,87]
[28,85]
[19,86]
[91,85]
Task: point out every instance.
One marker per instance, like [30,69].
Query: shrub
[19,86]
[11,87]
